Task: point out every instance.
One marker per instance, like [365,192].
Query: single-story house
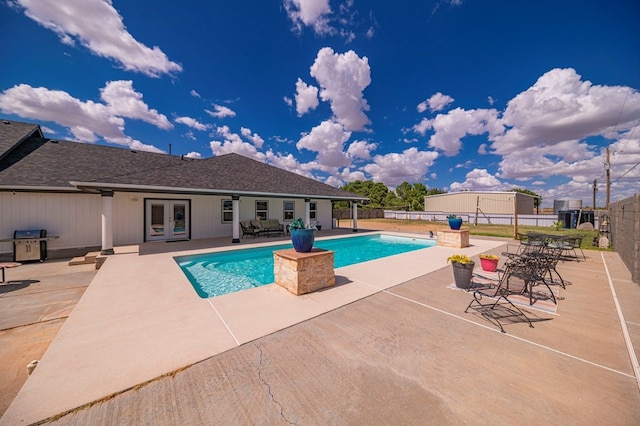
[481,202]
[95,196]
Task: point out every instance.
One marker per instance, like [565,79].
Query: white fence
[542,220]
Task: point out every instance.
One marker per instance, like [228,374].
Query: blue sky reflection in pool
[215,274]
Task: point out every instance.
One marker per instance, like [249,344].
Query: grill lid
[29,233]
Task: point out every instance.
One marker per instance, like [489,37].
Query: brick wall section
[625,233]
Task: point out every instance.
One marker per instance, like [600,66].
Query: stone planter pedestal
[453,238]
[302,273]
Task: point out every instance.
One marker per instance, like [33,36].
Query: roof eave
[27,188]
[105,186]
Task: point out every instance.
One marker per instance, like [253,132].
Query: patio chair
[571,244]
[248,229]
[499,306]
[531,242]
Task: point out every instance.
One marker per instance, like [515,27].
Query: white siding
[77,217]
[71,216]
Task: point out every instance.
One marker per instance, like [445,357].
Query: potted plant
[455,222]
[462,270]
[489,262]
[302,236]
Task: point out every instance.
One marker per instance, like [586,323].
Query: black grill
[29,245]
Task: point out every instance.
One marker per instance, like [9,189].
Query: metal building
[481,202]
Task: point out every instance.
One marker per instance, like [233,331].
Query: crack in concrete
[269,388]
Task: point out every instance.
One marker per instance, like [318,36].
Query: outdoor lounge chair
[248,229]
[499,306]
[268,227]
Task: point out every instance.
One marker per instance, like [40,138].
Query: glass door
[178,219]
[157,220]
[167,219]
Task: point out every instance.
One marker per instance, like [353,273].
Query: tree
[391,200]
[375,192]
[435,191]
[403,191]
[406,196]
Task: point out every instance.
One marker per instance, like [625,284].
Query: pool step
[92,257]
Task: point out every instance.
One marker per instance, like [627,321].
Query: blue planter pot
[302,239]
[455,223]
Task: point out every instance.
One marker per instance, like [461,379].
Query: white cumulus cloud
[479,180]
[221,111]
[342,79]
[451,127]
[560,107]
[550,126]
[410,165]
[193,123]
[98,26]
[361,149]
[436,102]
[423,126]
[232,142]
[309,13]
[306,97]
[254,138]
[86,120]
[327,139]
[124,101]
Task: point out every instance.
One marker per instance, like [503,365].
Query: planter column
[235,205]
[107,222]
[355,216]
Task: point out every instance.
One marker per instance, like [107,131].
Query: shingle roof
[45,163]
[14,132]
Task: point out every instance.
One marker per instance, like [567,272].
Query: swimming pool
[215,274]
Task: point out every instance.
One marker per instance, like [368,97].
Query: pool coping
[134,324]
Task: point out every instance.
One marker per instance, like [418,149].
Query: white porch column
[235,204]
[307,211]
[355,217]
[107,222]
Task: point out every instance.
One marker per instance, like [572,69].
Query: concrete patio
[389,344]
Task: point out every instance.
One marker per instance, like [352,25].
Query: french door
[167,219]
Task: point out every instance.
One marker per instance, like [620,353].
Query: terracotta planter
[489,265]
[303,239]
[462,274]
[455,223]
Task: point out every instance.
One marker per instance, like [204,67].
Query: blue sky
[456,94]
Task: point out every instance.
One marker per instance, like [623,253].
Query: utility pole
[607,168]
[595,189]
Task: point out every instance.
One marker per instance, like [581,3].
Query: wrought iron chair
[500,307]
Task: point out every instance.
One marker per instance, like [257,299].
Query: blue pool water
[215,274]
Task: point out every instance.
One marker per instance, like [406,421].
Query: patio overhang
[98,187]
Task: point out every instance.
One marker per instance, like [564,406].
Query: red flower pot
[489,265]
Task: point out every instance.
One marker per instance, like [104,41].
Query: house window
[312,211]
[262,210]
[288,210]
[227,211]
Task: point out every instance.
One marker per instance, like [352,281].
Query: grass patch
[486,230]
